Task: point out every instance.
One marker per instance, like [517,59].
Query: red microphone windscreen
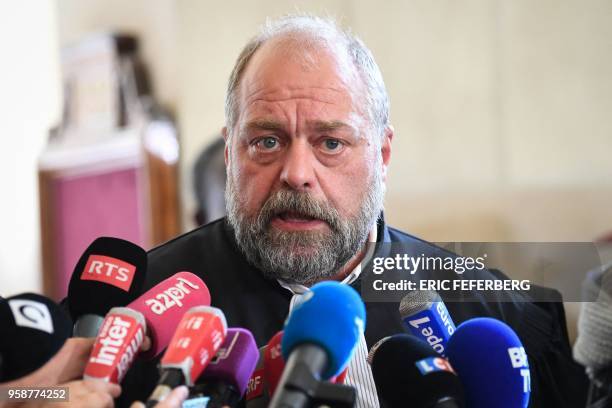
[164,305]
[198,336]
[118,341]
[273,362]
[257,395]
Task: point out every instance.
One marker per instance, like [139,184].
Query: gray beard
[303,257]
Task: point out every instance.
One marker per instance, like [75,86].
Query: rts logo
[109,270]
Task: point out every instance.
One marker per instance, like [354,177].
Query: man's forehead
[278,71]
[351,125]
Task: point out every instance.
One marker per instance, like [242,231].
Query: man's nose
[298,168]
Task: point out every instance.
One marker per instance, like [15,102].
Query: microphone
[425,315]
[198,336]
[110,273]
[593,347]
[274,364]
[118,341]
[408,372]
[267,374]
[122,332]
[225,379]
[34,328]
[491,363]
[258,394]
[164,304]
[320,336]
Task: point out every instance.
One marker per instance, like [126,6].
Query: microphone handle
[220,394]
[447,403]
[300,377]
[87,325]
[169,380]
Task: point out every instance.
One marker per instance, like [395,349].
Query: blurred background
[502,116]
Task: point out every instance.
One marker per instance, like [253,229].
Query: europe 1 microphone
[425,315]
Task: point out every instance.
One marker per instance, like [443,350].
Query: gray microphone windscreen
[417,301]
[593,347]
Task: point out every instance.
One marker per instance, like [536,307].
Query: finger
[175,398]
[146,344]
[137,404]
[73,357]
[113,390]
[101,399]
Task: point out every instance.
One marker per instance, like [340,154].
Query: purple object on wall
[88,206]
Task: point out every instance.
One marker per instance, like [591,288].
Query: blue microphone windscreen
[331,315]
[491,363]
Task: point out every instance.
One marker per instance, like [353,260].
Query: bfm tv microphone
[408,372]
[110,273]
[593,347]
[198,337]
[34,328]
[225,379]
[320,336]
[425,315]
[491,363]
[118,341]
[164,304]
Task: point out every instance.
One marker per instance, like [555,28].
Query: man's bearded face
[305,172]
[301,256]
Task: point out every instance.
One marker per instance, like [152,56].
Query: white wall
[29,106]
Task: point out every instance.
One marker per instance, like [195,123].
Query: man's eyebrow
[264,124]
[328,126]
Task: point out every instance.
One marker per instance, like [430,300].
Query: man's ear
[225,134]
[385,149]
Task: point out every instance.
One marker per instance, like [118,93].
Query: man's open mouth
[292,216]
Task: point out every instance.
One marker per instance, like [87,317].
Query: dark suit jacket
[249,300]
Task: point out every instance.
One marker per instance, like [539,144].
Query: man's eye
[332,145]
[267,143]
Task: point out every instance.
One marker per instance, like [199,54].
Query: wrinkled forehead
[283,66]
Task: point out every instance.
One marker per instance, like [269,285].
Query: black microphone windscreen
[34,328]
[110,273]
[407,371]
